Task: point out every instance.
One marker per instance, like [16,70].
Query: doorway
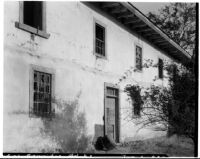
[111,112]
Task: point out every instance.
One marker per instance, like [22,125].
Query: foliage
[68,127]
[178,21]
[182,115]
[168,108]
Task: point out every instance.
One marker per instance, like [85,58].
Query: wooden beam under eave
[118,10]
[132,21]
[125,15]
[110,4]
[145,30]
[155,37]
[139,26]
[160,41]
[152,34]
[161,44]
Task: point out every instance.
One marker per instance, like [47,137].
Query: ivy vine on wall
[134,92]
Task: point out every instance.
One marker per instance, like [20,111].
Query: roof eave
[155,28]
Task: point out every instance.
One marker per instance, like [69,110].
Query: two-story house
[61,49]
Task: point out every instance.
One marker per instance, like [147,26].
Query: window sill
[100,56]
[32,30]
[36,115]
[138,70]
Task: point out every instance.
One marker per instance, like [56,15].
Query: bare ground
[173,146]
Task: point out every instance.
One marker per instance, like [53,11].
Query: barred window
[160,68]
[99,40]
[138,57]
[42,93]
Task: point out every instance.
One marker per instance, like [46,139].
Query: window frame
[160,77]
[31,89]
[117,96]
[95,21]
[137,69]
[28,28]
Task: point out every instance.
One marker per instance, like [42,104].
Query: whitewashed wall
[69,51]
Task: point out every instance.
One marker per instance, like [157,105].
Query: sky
[146,7]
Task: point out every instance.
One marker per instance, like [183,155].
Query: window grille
[99,40]
[42,94]
[138,58]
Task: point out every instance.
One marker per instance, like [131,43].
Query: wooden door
[112,113]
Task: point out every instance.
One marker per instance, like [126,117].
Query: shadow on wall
[64,133]
[68,127]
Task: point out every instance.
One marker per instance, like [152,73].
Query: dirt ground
[172,147]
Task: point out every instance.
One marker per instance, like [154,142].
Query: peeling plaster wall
[69,51]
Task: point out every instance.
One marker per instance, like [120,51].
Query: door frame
[117,117]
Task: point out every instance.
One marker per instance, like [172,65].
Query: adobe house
[58,49]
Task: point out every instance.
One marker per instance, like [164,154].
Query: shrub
[104,143]
[68,127]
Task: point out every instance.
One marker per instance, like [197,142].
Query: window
[33,14]
[138,58]
[41,92]
[99,40]
[160,68]
[32,17]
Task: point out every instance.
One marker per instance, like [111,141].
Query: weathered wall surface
[69,51]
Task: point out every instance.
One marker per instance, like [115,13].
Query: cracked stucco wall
[69,51]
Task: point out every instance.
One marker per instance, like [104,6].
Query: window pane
[35,86]
[35,108]
[36,97]
[99,32]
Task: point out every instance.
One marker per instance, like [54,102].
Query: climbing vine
[134,92]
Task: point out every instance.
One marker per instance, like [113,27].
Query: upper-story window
[100,40]
[32,17]
[160,68]
[33,14]
[138,57]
